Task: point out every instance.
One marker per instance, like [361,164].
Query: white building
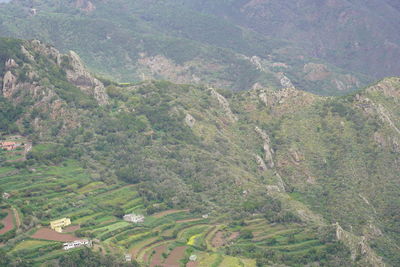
[128,257]
[77,244]
[193,258]
[135,218]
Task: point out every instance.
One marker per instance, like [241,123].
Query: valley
[270,176]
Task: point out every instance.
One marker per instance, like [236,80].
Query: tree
[246,234]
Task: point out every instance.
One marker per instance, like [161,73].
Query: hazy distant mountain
[225,44]
[361,36]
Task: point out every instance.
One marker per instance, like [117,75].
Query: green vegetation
[124,40]
[186,160]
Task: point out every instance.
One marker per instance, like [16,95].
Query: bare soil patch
[8,223]
[220,239]
[157,258]
[49,234]
[175,256]
[192,264]
[72,228]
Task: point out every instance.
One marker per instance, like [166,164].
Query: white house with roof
[77,244]
[134,218]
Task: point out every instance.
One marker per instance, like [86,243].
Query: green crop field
[66,190]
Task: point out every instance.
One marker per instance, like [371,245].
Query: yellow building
[57,225]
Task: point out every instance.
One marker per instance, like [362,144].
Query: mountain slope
[167,40]
[315,166]
[361,36]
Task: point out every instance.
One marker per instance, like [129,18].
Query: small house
[9,145]
[128,257]
[134,218]
[57,225]
[77,244]
[193,258]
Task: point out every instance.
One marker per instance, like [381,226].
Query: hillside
[267,176]
[359,36]
[132,41]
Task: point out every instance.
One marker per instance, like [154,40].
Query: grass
[69,191]
[32,244]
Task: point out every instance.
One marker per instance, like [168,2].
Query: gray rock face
[225,105]
[79,76]
[358,247]
[10,64]
[27,54]
[260,162]
[268,157]
[9,84]
[190,121]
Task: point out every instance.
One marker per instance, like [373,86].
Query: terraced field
[168,238]
[42,194]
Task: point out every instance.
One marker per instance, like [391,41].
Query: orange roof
[8,143]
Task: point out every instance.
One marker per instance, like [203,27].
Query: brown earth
[8,223]
[174,257]
[219,240]
[157,258]
[72,228]
[192,264]
[49,234]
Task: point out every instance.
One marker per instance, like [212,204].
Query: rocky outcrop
[263,97]
[225,105]
[10,64]
[189,120]
[154,67]
[346,82]
[47,50]
[316,72]
[389,87]
[260,162]
[80,77]
[268,157]
[85,5]
[371,108]
[358,247]
[9,84]
[284,80]
[27,54]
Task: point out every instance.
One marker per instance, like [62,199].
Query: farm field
[7,222]
[166,238]
[48,193]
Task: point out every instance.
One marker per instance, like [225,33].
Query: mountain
[139,40]
[359,36]
[252,178]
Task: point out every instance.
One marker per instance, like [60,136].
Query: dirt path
[17,218]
